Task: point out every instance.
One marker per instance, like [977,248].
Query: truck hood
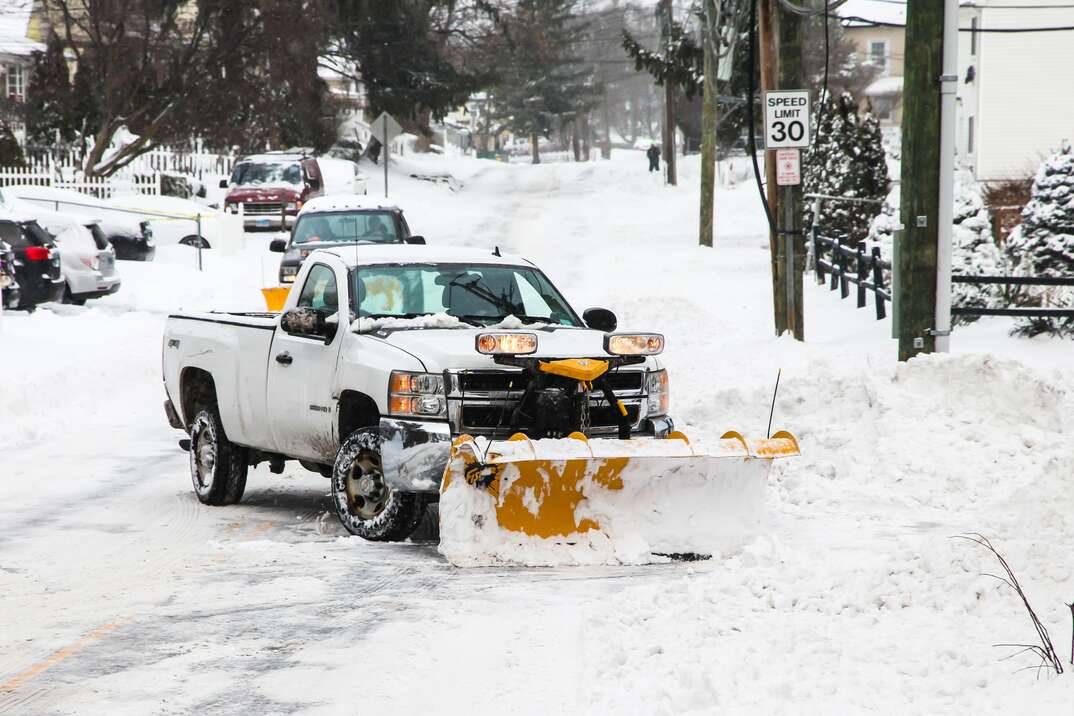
[455,349]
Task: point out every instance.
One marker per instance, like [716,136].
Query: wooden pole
[916,243]
[767,28]
[669,108]
[791,239]
[708,123]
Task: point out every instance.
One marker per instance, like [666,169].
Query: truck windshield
[363,227]
[252,173]
[478,294]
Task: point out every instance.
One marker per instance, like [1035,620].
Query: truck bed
[234,349]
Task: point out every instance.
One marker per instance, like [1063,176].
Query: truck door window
[319,292]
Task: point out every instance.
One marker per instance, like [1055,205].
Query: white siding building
[1015,91]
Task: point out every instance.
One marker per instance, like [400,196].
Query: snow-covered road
[121,594]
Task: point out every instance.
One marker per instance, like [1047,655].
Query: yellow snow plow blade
[652,495]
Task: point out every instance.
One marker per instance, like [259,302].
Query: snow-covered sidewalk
[122,594]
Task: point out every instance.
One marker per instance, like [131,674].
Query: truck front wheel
[217,466]
[365,504]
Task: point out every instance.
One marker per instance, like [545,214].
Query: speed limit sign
[786,119]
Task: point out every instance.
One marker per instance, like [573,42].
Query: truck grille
[481,402]
[485,418]
[257,208]
[477,382]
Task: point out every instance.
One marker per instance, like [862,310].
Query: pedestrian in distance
[654,158]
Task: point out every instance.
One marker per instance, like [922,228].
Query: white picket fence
[100,187]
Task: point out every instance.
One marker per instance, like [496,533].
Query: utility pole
[711,44]
[767,27]
[917,242]
[669,105]
[789,217]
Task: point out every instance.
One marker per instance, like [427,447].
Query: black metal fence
[1018,311]
[847,266]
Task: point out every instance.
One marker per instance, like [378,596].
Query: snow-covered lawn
[121,594]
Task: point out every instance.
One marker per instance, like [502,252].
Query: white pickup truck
[381,357]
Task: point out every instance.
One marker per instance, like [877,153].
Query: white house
[1015,93]
[16,49]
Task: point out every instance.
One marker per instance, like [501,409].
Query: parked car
[130,235]
[272,188]
[37,260]
[175,221]
[331,221]
[87,259]
[9,285]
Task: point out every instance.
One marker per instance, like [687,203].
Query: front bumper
[414,453]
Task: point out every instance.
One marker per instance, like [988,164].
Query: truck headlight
[288,274]
[634,344]
[506,343]
[417,394]
[659,392]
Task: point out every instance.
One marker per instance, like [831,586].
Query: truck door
[302,371]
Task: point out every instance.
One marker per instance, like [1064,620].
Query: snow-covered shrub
[846,160]
[1043,245]
[974,252]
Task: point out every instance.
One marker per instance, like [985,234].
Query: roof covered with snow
[885,87]
[875,10]
[370,255]
[14,24]
[348,202]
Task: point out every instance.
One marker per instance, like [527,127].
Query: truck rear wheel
[365,504]
[217,466]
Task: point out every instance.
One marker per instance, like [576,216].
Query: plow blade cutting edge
[598,501]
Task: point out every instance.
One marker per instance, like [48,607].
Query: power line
[878,23]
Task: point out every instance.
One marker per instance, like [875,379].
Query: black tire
[217,466]
[193,241]
[364,504]
[69,297]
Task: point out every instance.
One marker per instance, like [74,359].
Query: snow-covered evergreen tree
[1043,245]
[846,160]
[974,252]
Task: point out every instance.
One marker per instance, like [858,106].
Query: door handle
[284,358]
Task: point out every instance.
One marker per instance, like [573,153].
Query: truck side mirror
[600,319]
[304,321]
[415,240]
[223,183]
[278,246]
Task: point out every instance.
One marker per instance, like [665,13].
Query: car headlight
[506,343]
[659,392]
[417,394]
[634,344]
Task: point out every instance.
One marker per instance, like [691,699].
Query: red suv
[272,188]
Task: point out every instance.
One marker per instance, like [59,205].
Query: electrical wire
[878,23]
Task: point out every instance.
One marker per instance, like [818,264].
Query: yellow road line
[260,529]
[70,650]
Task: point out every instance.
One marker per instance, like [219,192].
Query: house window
[883,107]
[973,37]
[15,85]
[969,136]
[878,54]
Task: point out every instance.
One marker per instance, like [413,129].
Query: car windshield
[477,294]
[369,227]
[250,173]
